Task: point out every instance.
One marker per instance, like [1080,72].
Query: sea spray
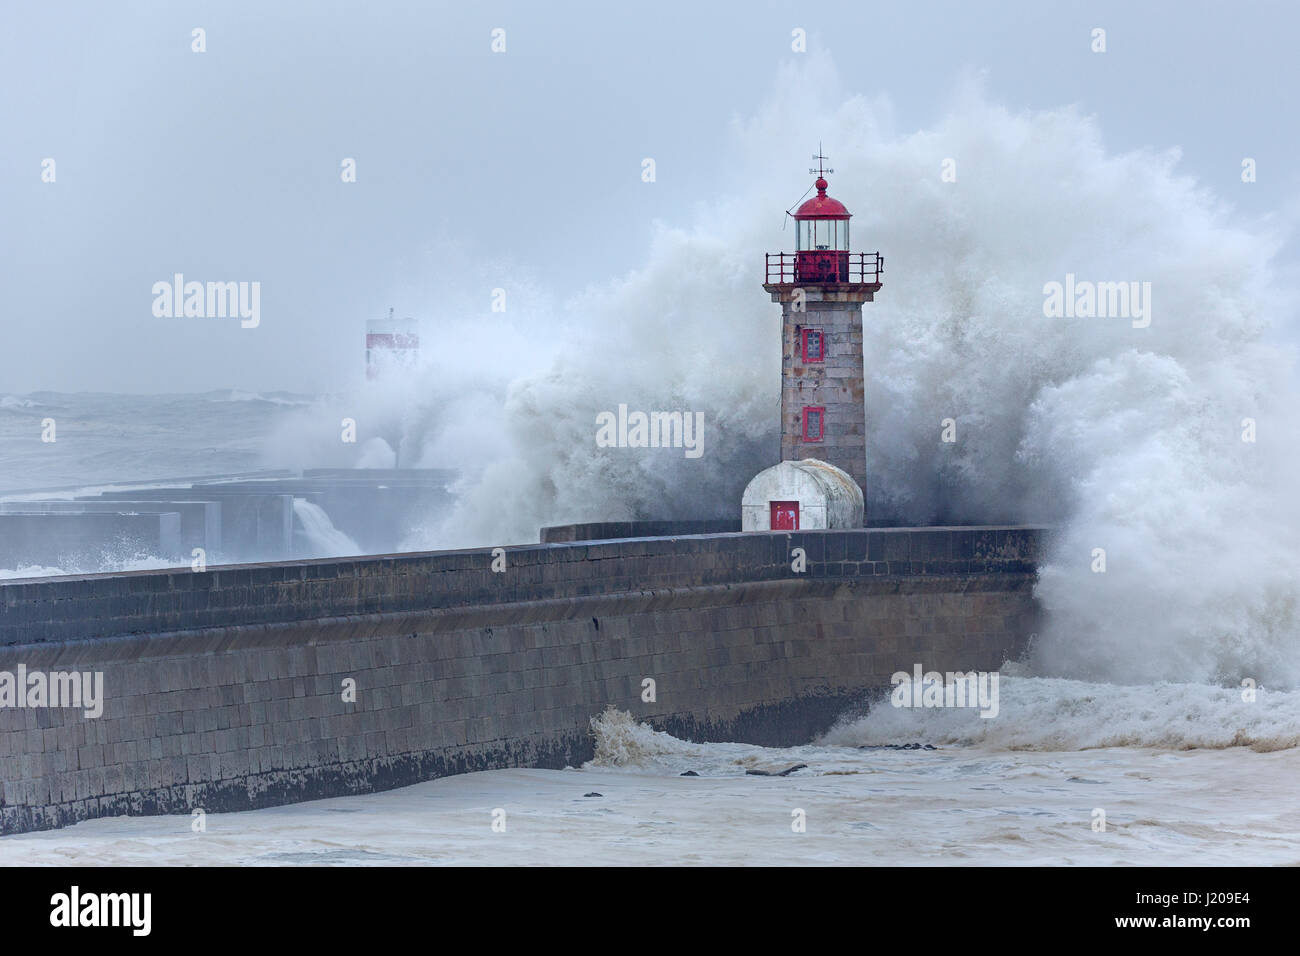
[322,538]
[1067,715]
[622,741]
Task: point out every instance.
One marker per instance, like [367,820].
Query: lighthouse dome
[822,206]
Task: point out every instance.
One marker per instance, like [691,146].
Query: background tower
[821,288]
[391,343]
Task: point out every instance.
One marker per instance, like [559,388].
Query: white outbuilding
[801,495]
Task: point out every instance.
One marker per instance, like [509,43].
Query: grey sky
[225,165]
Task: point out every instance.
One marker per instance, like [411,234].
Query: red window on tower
[814,423]
[813,345]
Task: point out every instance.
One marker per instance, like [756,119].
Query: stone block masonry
[831,382]
[224,689]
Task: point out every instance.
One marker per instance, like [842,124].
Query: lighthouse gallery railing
[826,266]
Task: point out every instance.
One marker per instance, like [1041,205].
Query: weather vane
[821,171]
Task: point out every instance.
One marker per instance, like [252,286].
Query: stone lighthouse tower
[821,288]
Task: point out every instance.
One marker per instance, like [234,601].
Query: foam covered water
[1056,715]
[632,806]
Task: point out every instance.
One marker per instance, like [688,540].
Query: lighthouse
[821,287]
[391,343]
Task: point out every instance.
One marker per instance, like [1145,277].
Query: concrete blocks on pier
[78,539]
[240,520]
[200,521]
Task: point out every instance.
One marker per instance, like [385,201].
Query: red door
[785,516]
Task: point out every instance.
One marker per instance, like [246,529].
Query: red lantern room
[821,245]
[822,238]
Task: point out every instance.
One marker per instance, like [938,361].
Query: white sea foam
[29,571]
[1054,714]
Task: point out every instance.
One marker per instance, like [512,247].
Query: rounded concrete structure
[815,493]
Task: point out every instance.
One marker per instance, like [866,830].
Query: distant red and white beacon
[391,343]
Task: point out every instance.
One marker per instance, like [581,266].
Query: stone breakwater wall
[247,686]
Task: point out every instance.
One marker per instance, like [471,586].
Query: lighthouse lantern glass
[828,234]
